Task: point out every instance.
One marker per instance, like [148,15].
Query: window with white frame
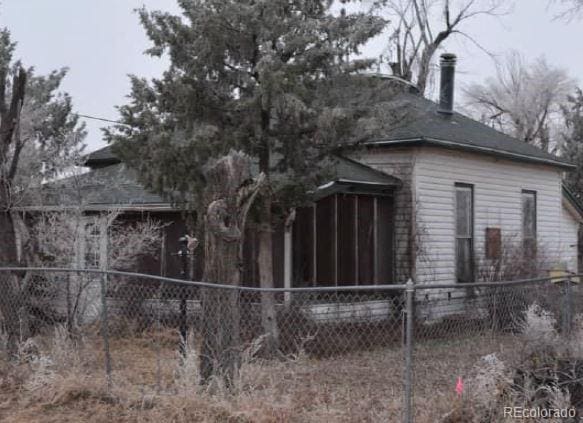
[88,251]
[92,245]
[464,232]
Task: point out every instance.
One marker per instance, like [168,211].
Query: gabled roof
[423,124]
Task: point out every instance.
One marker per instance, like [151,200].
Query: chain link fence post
[408,400]
[105,330]
[568,307]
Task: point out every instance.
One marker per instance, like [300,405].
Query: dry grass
[359,387]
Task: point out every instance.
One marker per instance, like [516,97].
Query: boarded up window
[529,223]
[464,232]
[493,243]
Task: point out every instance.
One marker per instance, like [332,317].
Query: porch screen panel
[346,240]
[325,241]
[366,252]
[384,251]
[464,232]
[303,247]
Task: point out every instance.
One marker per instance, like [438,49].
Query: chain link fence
[377,353]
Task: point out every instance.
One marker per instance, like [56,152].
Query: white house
[468,194]
[438,198]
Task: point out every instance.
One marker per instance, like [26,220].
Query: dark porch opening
[344,239]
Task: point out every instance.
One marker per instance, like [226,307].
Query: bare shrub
[62,239]
[487,385]
[538,330]
[542,374]
[64,350]
[506,305]
[514,263]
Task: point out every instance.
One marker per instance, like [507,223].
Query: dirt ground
[56,382]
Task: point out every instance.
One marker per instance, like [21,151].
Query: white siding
[568,247]
[399,163]
[497,203]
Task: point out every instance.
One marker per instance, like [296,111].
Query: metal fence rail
[377,353]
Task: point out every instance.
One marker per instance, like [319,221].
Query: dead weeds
[357,387]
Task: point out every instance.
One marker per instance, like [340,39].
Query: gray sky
[101,41]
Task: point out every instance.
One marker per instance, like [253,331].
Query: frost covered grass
[357,387]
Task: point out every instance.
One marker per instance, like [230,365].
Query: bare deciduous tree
[523,99]
[422,26]
[572,9]
[63,237]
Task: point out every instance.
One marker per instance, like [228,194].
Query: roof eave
[467,147]
[345,186]
[100,207]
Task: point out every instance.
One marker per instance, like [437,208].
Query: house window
[529,223]
[464,232]
[92,245]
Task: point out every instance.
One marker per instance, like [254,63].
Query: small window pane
[463,212]
[92,244]
[464,233]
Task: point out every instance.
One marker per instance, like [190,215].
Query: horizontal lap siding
[497,203]
[398,163]
[569,239]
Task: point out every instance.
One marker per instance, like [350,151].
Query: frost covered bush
[538,330]
[485,388]
[544,374]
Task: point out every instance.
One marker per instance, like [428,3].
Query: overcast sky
[101,41]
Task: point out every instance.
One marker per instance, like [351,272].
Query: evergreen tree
[273,78]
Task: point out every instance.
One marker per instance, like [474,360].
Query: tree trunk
[220,355]
[230,196]
[265,264]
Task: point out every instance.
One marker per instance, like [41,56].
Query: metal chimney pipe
[447,83]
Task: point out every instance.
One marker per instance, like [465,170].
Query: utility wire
[101,119]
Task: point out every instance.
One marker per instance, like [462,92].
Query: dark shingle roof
[424,125]
[100,188]
[117,186]
[102,157]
